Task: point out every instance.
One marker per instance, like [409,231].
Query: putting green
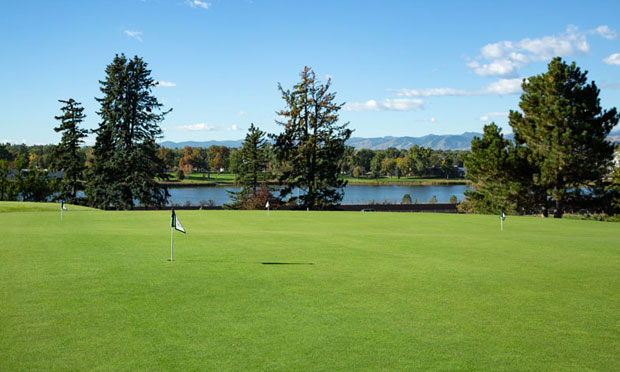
[384,291]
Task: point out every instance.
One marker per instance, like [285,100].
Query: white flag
[267,205]
[62,205]
[174,222]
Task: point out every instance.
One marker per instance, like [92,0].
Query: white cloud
[504,58]
[496,50]
[134,34]
[433,92]
[489,115]
[397,104]
[198,127]
[500,87]
[500,67]
[198,4]
[241,113]
[613,59]
[166,84]
[605,32]
[234,127]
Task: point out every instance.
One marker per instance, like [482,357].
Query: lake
[353,194]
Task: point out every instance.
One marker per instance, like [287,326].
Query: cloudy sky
[404,68]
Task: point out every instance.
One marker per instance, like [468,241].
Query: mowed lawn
[385,291]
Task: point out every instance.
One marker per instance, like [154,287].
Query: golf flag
[502,217]
[175,223]
[62,205]
[267,205]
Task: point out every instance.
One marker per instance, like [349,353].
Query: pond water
[353,194]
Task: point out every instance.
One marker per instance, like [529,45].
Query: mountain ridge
[434,141]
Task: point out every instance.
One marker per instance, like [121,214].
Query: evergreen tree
[253,162]
[564,129]
[253,159]
[67,154]
[499,175]
[8,188]
[125,162]
[312,144]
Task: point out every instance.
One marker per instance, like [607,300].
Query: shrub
[406,199]
[179,174]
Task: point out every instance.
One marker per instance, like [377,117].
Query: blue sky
[404,68]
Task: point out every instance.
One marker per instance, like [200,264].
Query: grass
[407,181]
[386,291]
[37,207]
[222,178]
[229,179]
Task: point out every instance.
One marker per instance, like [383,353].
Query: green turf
[229,179]
[199,177]
[37,207]
[386,291]
[406,181]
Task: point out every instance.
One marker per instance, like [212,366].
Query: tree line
[559,159]
[124,166]
[416,161]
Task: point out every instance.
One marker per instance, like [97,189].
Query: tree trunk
[558,209]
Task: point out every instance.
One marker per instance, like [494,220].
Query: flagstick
[171,243]
[501,225]
[267,211]
[60,214]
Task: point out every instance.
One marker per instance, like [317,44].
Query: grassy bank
[228,179]
[370,291]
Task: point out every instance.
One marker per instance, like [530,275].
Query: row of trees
[560,158]
[124,165]
[392,162]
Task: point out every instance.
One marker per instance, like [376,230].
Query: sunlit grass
[371,291]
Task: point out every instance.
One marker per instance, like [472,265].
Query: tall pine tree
[564,129]
[254,159]
[312,145]
[125,162]
[252,171]
[67,153]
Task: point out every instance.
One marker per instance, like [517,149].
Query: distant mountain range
[180,145]
[434,141]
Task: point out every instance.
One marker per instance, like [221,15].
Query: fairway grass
[385,291]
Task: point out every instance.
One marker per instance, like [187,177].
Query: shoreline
[437,182]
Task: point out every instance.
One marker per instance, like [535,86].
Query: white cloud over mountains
[489,115]
[198,127]
[505,57]
[500,87]
[397,104]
